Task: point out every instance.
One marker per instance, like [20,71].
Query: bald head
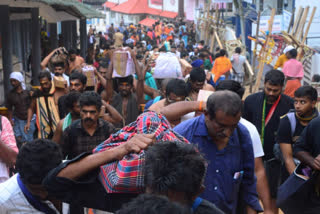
[225,101]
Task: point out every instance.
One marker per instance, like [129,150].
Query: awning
[147,22]
[108,4]
[168,14]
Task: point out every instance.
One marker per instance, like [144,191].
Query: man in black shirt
[293,123]
[264,110]
[85,134]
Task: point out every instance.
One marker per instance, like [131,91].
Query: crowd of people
[153,122]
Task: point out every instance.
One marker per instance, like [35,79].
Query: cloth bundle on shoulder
[123,64]
[126,175]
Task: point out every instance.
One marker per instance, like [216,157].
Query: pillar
[35,42]
[6,46]
[83,37]
[53,35]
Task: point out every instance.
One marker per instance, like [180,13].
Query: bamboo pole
[300,50]
[296,21]
[297,35]
[291,20]
[214,29]
[264,52]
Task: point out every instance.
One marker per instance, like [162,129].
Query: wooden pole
[218,40]
[214,29]
[300,50]
[264,52]
[207,24]
[296,21]
[291,20]
[297,35]
[255,52]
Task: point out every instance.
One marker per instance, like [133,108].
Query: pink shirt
[293,68]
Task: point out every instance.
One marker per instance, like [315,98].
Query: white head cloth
[18,76]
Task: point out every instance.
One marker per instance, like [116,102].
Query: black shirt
[206,207]
[253,106]
[284,131]
[63,111]
[85,192]
[20,102]
[309,140]
[76,140]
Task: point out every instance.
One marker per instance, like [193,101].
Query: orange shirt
[221,66]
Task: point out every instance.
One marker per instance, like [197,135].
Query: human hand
[27,127]
[316,163]
[138,142]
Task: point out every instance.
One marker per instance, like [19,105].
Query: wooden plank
[291,20]
[218,40]
[264,52]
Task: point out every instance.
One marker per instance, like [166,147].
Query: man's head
[59,68]
[292,54]
[90,106]
[125,85]
[16,79]
[45,81]
[72,55]
[231,85]
[273,83]
[238,50]
[78,82]
[176,91]
[72,103]
[34,161]
[305,99]
[222,52]
[152,204]
[103,69]
[316,78]
[197,79]
[222,114]
[176,170]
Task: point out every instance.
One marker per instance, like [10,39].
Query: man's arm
[80,168]
[286,150]
[109,86]
[46,60]
[103,81]
[140,82]
[262,185]
[31,110]
[58,133]
[176,110]
[8,146]
[113,115]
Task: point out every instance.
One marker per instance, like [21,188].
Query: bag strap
[293,122]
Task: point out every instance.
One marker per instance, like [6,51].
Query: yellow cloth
[221,66]
[46,128]
[280,62]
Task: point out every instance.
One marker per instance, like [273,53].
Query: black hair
[78,76]
[71,98]
[36,159]
[152,204]
[226,101]
[174,166]
[238,50]
[274,77]
[231,85]
[103,64]
[316,78]
[163,49]
[177,87]
[293,53]
[90,98]
[128,79]
[184,54]
[222,52]
[58,64]
[197,74]
[72,51]
[45,74]
[307,91]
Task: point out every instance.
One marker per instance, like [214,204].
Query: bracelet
[200,106]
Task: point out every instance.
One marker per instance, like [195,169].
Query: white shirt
[13,201]
[255,138]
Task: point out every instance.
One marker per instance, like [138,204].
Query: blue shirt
[229,169]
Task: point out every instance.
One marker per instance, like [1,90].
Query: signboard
[277,23]
[221,1]
[156,4]
[171,5]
